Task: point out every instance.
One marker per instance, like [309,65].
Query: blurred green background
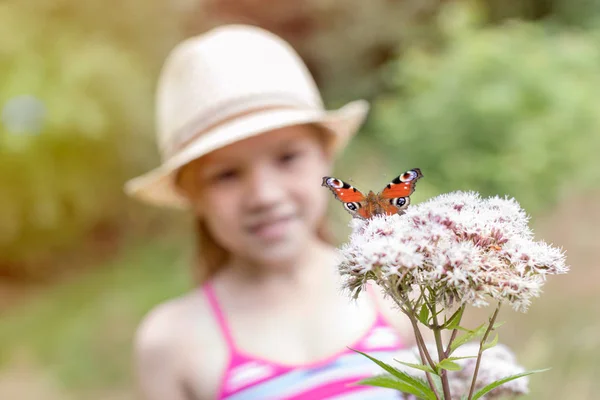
[499,96]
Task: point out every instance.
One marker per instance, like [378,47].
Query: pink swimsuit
[251,378]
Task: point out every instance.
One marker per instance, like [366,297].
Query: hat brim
[157,187]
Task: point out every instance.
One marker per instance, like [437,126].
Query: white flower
[459,246]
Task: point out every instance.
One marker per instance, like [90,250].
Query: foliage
[75,101]
[342,41]
[582,13]
[81,331]
[509,109]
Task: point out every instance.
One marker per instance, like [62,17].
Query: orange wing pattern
[352,198]
[393,199]
[343,191]
[403,185]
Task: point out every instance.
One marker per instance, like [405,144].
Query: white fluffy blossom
[457,246]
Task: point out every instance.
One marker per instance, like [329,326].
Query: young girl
[245,142]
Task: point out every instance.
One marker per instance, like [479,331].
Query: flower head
[460,247]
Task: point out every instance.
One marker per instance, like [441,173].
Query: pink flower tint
[460,246]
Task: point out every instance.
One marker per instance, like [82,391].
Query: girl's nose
[264,189]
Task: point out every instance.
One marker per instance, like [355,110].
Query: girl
[245,142]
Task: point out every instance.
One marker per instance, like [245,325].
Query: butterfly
[394,198]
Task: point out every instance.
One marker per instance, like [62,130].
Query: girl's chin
[283,254]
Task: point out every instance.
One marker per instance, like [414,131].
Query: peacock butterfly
[394,198]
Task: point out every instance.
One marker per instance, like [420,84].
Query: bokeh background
[499,96]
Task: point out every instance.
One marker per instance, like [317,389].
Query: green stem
[452,337]
[481,343]
[427,374]
[404,306]
[437,332]
[454,331]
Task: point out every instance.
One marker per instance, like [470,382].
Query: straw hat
[229,84]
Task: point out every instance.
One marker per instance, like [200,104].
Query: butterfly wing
[352,198]
[396,194]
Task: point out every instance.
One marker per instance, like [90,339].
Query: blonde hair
[209,256]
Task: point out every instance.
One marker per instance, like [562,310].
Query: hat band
[222,113]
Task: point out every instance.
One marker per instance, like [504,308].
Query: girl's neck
[314,268]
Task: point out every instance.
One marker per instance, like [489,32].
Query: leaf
[437,381]
[455,319]
[493,385]
[460,358]
[449,365]
[421,367]
[400,375]
[387,381]
[491,344]
[424,315]
[470,335]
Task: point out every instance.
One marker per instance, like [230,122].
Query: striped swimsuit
[252,378]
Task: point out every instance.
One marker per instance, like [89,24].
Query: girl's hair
[210,257]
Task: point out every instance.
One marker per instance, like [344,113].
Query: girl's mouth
[272,229]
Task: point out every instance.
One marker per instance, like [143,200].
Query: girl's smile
[273,228]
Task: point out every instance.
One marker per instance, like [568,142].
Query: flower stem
[455,330]
[437,332]
[404,305]
[452,337]
[428,374]
[419,338]
[481,343]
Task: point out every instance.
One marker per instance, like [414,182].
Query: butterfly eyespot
[409,175]
[399,201]
[336,183]
[352,206]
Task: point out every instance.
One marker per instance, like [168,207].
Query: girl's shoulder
[169,323]
[181,338]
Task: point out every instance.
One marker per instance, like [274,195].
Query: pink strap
[221,320]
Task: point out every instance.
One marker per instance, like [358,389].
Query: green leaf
[493,385]
[403,376]
[491,344]
[437,381]
[387,381]
[424,315]
[455,319]
[498,325]
[421,367]
[470,335]
[460,358]
[449,365]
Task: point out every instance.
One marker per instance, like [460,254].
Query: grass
[79,334]
[81,331]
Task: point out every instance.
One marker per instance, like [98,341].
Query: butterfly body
[393,199]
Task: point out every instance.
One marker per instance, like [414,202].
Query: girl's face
[261,198]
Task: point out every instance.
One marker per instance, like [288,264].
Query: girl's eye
[224,176]
[289,156]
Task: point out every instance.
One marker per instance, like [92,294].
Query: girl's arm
[156,361]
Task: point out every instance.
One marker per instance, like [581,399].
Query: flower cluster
[496,363]
[459,246]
